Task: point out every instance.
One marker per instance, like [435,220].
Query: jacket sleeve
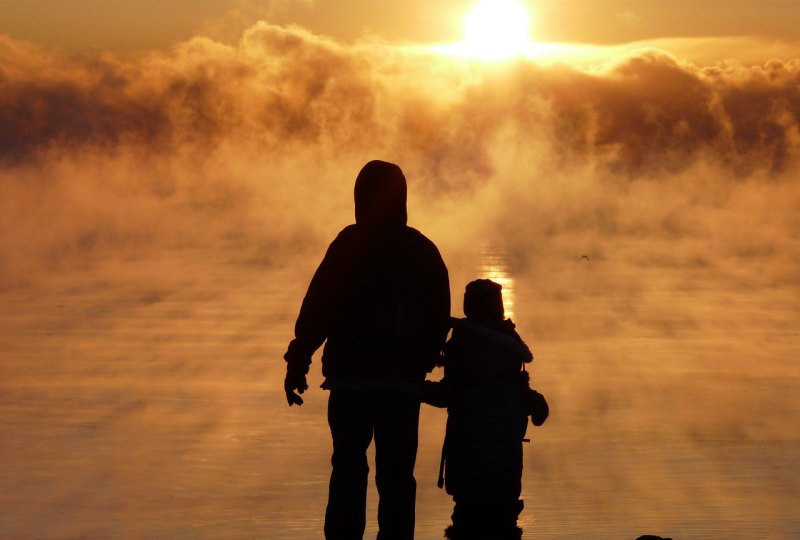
[437,393]
[440,308]
[313,322]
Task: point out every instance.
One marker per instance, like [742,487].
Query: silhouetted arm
[436,393]
[313,322]
[440,307]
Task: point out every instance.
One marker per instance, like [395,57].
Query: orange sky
[125,25]
[161,213]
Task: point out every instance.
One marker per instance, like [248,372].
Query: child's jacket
[487,396]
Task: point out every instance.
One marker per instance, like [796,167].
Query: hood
[380,195]
[483,299]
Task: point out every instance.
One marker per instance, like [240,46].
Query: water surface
[143,400]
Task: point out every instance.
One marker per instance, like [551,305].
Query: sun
[496,29]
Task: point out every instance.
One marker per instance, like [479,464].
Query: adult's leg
[349,417]
[396,433]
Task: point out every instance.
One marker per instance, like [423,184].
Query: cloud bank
[258,141]
[281,86]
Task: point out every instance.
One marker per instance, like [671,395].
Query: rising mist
[647,207]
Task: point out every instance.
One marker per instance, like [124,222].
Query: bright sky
[146,24]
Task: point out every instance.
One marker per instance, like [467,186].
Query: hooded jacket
[380,298]
[487,412]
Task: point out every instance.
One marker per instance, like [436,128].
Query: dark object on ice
[652,537]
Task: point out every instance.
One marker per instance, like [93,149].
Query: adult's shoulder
[346,236]
[349,231]
[416,236]
[422,249]
[354,236]
[345,244]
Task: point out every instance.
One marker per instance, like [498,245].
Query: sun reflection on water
[494,265]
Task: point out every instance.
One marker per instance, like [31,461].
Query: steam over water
[161,216]
[150,406]
[494,266]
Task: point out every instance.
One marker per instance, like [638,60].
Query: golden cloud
[97,150]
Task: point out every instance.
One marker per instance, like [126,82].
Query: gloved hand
[435,393]
[537,407]
[295,380]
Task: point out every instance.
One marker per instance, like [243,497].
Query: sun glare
[496,29]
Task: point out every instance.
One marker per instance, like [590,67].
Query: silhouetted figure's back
[380,300]
[488,400]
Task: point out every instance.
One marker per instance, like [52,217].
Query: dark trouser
[479,518]
[354,417]
[487,502]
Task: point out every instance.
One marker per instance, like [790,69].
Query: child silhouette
[488,398]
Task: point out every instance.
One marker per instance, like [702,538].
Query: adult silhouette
[380,300]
